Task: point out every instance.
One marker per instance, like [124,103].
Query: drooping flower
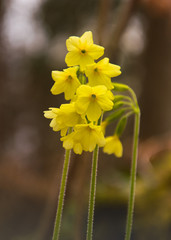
[63,117]
[101,73]
[113,146]
[82,50]
[65,81]
[92,100]
[85,137]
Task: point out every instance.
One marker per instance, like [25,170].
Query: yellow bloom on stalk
[101,73]
[113,145]
[92,100]
[63,117]
[85,137]
[65,81]
[82,50]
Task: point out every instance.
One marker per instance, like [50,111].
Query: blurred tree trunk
[2,76]
[156,95]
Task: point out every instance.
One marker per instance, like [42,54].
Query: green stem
[92,194]
[62,194]
[133,95]
[133,177]
[127,114]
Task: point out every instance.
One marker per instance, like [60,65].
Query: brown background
[136,36]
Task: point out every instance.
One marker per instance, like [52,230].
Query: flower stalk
[57,225]
[129,221]
[92,194]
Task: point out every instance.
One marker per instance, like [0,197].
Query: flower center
[69,78]
[96,69]
[93,96]
[83,51]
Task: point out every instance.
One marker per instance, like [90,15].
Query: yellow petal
[118,150]
[109,69]
[54,124]
[72,71]
[87,38]
[84,61]
[58,75]
[72,58]
[110,95]
[54,110]
[92,143]
[82,105]
[112,70]
[108,148]
[64,131]
[71,89]
[84,91]
[58,87]
[77,148]
[103,62]
[99,90]
[93,111]
[100,137]
[113,145]
[83,99]
[95,51]
[49,114]
[104,79]
[72,43]
[68,141]
[105,103]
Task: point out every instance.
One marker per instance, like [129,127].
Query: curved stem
[92,194]
[128,114]
[133,95]
[133,177]
[62,194]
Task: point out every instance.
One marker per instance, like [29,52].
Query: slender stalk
[133,177]
[62,194]
[133,95]
[92,194]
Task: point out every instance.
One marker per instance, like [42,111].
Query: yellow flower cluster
[88,85]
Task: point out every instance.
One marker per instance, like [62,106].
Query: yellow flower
[103,126]
[63,117]
[82,51]
[113,145]
[85,137]
[92,100]
[100,73]
[65,81]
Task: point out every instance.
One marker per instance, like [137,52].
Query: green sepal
[121,126]
[118,105]
[118,98]
[120,87]
[115,115]
[81,77]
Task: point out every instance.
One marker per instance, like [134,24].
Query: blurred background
[136,35]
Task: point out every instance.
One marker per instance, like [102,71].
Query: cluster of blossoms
[87,84]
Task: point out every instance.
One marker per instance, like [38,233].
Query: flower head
[113,145]
[100,73]
[85,137]
[92,100]
[82,51]
[65,81]
[63,117]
